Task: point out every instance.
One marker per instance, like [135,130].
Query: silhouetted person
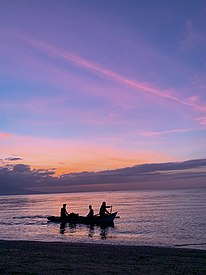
[63,213]
[103,209]
[91,212]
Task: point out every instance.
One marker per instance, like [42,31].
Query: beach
[28,257]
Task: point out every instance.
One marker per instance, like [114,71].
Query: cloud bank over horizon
[21,179]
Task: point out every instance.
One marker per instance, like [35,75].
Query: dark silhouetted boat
[75,218]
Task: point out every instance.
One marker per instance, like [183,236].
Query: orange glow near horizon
[63,156]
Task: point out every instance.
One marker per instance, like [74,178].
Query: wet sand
[25,257]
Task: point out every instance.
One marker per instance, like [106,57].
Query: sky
[100,87]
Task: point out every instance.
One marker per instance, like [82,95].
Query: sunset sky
[98,85]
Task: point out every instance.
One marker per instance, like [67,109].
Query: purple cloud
[13,159]
[191,173]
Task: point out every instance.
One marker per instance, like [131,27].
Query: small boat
[75,218]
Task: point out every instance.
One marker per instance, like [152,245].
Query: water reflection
[164,217]
[62,227]
[103,230]
[71,226]
[90,230]
[103,233]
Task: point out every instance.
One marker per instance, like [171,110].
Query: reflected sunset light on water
[161,218]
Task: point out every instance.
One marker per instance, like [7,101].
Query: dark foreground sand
[22,257]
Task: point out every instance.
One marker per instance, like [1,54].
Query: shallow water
[160,218]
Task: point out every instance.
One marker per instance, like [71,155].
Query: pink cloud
[195,103]
[5,135]
[155,133]
[51,51]
[47,72]
[201,120]
[130,83]
[96,68]
[124,98]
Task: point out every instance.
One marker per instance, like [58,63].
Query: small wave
[6,223]
[31,217]
[189,244]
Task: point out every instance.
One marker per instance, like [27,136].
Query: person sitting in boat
[91,212]
[64,213]
[103,209]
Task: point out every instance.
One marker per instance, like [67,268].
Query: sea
[171,218]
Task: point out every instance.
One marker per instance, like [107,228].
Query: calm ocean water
[160,218]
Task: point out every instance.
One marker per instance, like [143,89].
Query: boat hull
[74,218]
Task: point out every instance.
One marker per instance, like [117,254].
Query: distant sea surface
[175,218]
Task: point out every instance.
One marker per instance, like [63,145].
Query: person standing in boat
[64,213]
[91,212]
[103,209]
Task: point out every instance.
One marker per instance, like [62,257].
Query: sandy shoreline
[25,257]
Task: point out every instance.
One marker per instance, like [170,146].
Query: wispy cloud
[57,53]
[201,120]
[172,131]
[134,84]
[13,159]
